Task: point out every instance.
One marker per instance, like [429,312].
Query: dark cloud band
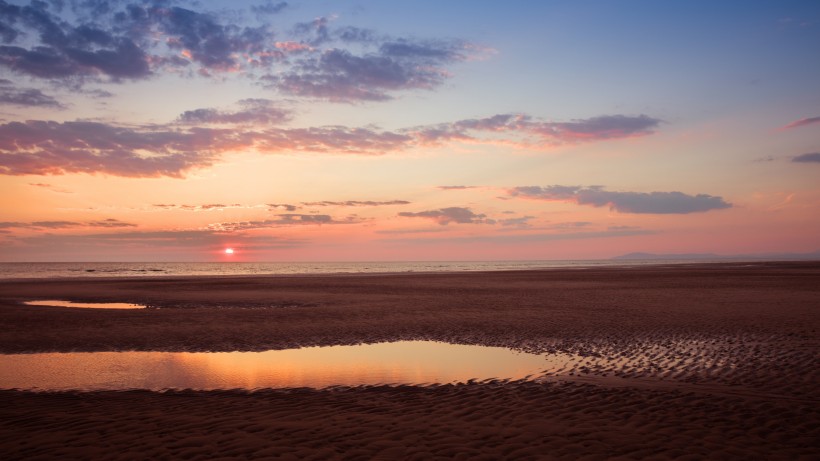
[813,157]
[624,202]
[196,140]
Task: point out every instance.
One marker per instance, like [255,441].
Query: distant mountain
[712,256]
[649,256]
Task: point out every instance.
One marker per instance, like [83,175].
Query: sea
[17,270]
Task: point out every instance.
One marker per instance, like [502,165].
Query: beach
[690,361]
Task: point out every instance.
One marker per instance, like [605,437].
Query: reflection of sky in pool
[402,362]
[57,303]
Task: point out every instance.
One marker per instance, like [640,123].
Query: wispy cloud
[356,203]
[812,157]
[527,131]
[252,111]
[282,206]
[455,187]
[409,231]
[444,216]
[624,202]
[52,225]
[522,221]
[50,187]
[203,207]
[803,122]
[282,220]
[520,238]
[269,7]
[26,97]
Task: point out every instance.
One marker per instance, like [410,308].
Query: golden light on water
[402,362]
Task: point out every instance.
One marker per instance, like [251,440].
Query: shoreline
[611,264]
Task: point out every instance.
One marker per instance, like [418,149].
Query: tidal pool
[402,362]
[58,303]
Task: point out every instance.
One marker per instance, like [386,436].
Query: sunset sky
[421,130]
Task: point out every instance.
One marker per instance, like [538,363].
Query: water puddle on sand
[402,362]
[58,303]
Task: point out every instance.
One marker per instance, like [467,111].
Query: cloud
[409,231]
[527,131]
[624,202]
[289,218]
[205,207]
[517,224]
[50,187]
[445,216]
[455,187]
[812,157]
[282,220]
[110,223]
[622,228]
[51,225]
[517,239]
[570,225]
[355,203]
[200,38]
[53,148]
[803,122]
[269,7]
[282,206]
[597,128]
[65,51]
[331,139]
[26,97]
[39,225]
[117,41]
[38,147]
[339,75]
[253,111]
[351,34]
[522,221]
[315,32]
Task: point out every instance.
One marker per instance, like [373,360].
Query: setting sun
[409,229]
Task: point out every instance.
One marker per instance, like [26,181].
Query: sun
[228,251]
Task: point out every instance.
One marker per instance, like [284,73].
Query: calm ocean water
[50,270]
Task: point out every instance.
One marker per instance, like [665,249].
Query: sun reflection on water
[402,362]
[59,303]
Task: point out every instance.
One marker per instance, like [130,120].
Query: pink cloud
[526,131]
[292,46]
[444,216]
[624,202]
[38,147]
[41,225]
[803,122]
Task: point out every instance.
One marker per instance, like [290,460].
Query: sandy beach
[701,361]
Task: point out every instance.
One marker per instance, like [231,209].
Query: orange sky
[317,131]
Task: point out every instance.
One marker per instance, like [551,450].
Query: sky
[165,130]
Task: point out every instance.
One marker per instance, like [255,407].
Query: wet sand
[715,361]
